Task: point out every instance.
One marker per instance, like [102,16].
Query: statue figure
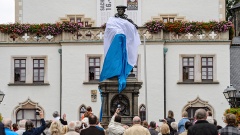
[121,40]
[120,14]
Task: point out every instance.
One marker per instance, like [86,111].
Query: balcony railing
[96,34]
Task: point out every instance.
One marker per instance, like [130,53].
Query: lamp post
[1,96]
[232,95]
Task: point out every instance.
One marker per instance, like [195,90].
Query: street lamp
[1,96]
[232,95]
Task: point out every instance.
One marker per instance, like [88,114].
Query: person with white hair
[71,129]
[57,117]
[21,125]
[174,126]
[7,126]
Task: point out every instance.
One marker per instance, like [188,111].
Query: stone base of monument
[127,100]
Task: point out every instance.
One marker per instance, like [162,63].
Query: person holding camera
[30,130]
[115,127]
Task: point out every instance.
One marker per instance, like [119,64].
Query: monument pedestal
[127,100]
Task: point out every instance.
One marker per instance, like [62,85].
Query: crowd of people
[203,124]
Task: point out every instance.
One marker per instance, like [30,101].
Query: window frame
[35,121]
[38,68]
[94,67]
[20,68]
[142,114]
[188,66]
[207,68]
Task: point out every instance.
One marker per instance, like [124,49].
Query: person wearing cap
[56,117]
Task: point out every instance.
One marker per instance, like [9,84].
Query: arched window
[142,112]
[196,104]
[27,110]
[82,111]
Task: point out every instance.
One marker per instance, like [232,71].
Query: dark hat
[121,6]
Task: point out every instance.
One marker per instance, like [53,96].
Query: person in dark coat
[169,120]
[30,130]
[92,130]
[2,131]
[152,128]
[202,127]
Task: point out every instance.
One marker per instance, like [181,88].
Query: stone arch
[198,103]
[81,110]
[123,101]
[28,104]
[142,112]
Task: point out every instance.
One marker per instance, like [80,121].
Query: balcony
[96,34]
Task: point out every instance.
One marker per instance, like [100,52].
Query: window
[28,114]
[38,70]
[82,111]
[165,20]
[142,112]
[188,68]
[78,18]
[94,68]
[191,112]
[19,70]
[207,68]
[29,70]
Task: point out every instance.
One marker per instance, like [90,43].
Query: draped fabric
[121,40]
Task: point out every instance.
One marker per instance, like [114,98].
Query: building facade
[61,72]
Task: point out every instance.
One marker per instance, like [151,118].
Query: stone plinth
[127,99]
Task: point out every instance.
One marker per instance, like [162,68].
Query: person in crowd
[21,125]
[230,129]
[15,127]
[46,130]
[78,126]
[2,131]
[202,127]
[55,128]
[187,125]
[71,129]
[152,128]
[8,126]
[30,130]
[169,120]
[164,130]
[99,126]
[209,117]
[137,128]
[89,110]
[64,129]
[92,129]
[174,126]
[115,127]
[145,124]
[182,122]
[56,117]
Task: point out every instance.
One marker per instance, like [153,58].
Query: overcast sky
[7,11]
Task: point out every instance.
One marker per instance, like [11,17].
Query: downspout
[60,52]
[164,76]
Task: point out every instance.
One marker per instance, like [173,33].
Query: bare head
[174,125]
[184,114]
[55,114]
[201,114]
[231,119]
[170,114]
[136,120]
[71,126]
[89,109]
[22,123]
[7,122]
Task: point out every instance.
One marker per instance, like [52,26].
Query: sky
[7,11]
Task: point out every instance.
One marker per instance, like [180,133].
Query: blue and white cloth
[121,40]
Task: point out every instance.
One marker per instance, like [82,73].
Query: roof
[236,41]
[236,6]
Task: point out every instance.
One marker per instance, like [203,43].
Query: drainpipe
[60,52]
[145,76]
[164,52]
